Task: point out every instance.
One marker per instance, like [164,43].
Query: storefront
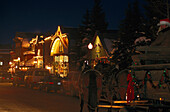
[61,65]
[59,51]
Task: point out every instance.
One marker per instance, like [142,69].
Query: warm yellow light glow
[41,42]
[57,47]
[120,101]
[24,68]
[18,58]
[10,63]
[38,53]
[59,31]
[35,62]
[19,38]
[126,96]
[48,67]
[136,101]
[47,38]
[15,59]
[63,37]
[34,40]
[109,106]
[160,99]
[90,46]
[25,43]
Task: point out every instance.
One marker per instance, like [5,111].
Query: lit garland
[164,80]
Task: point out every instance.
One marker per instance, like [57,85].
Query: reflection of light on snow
[141,39]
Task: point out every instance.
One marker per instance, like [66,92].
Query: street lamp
[90,46]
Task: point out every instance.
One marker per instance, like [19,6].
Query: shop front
[59,51]
[61,65]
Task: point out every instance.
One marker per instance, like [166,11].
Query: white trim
[164,23]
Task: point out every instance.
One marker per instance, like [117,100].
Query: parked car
[51,83]
[6,77]
[18,78]
[33,77]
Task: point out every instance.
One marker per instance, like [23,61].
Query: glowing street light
[90,46]
[18,62]
[18,58]
[10,63]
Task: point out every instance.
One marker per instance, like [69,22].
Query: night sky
[46,15]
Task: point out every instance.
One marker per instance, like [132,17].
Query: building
[5,57]
[55,52]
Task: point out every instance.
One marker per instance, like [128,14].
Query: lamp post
[90,47]
[43,43]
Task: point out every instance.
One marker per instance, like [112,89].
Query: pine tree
[125,31]
[86,26]
[132,26]
[92,21]
[98,17]
[86,34]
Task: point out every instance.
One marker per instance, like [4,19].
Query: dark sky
[46,15]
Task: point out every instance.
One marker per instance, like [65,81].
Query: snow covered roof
[107,39]
[109,44]
[29,52]
[28,35]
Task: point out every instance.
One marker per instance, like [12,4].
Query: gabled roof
[74,34]
[59,43]
[98,49]
[28,35]
[107,39]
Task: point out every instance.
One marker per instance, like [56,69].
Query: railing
[153,53]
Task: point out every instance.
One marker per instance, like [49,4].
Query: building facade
[5,58]
[56,52]
[34,50]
